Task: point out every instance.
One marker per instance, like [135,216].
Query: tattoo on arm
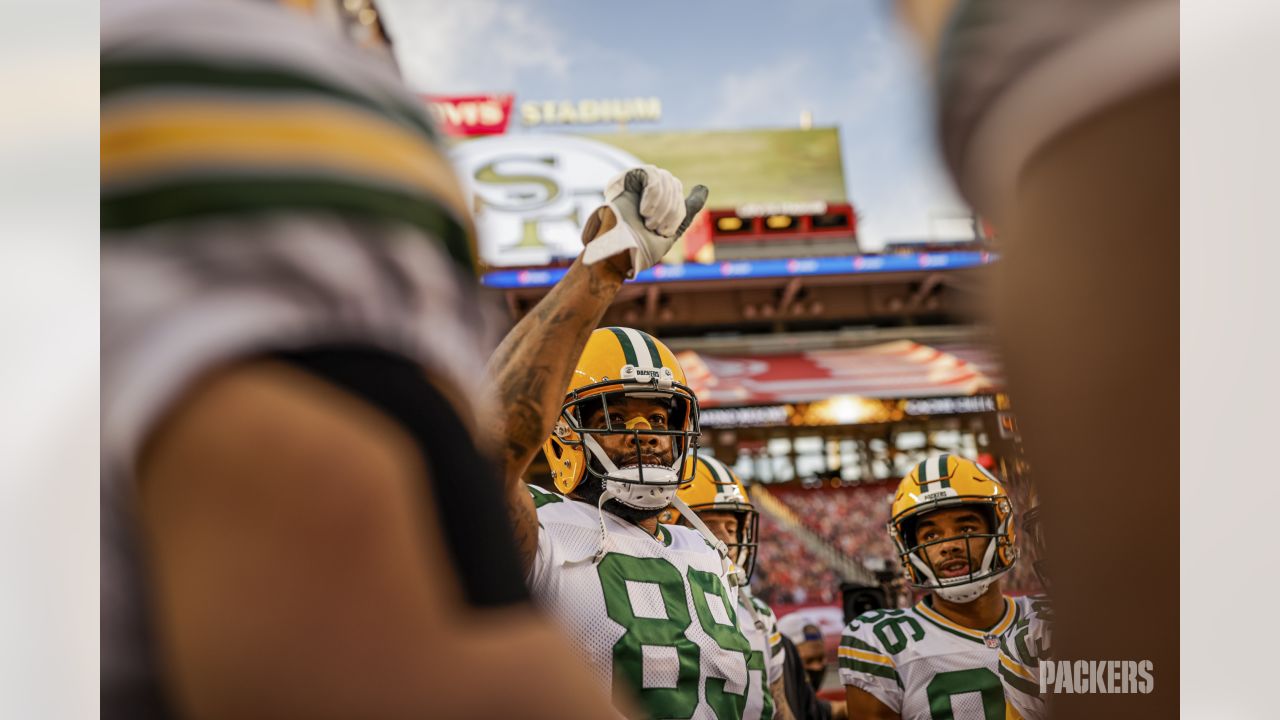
[781,710]
[531,369]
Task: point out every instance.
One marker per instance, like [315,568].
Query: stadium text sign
[752,210]
[744,416]
[590,112]
[952,405]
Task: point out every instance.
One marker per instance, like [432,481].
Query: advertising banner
[470,115]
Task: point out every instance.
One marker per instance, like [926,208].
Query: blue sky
[714,65]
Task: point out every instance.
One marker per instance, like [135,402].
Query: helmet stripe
[942,471]
[652,347]
[644,359]
[628,350]
[927,473]
[717,470]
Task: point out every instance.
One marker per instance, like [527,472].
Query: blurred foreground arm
[862,704]
[299,571]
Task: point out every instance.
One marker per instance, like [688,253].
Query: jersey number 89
[628,652]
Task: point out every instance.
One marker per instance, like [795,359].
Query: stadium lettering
[590,112]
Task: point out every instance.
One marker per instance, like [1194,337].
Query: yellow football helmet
[716,488]
[616,363]
[943,482]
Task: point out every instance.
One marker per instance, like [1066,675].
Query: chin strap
[594,558]
[744,599]
[701,527]
[736,577]
[601,456]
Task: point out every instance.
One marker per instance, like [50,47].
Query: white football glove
[652,214]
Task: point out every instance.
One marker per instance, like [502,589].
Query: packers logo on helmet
[716,488]
[947,482]
[617,365]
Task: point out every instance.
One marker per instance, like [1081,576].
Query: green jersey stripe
[852,642]
[119,77]
[1020,645]
[871,669]
[204,196]
[1018,681]
[542,497]
[761,606]
[665,536]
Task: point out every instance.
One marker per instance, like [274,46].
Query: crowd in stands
[788,573]
[852,519]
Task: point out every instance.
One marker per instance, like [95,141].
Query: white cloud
[772,94]
[473,46]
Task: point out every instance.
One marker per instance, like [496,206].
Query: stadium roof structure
[892,370]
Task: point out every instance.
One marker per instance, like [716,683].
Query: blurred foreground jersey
[265,187]
[1012,74]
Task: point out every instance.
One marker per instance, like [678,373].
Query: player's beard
[592,487]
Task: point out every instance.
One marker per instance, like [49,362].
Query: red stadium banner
[468,115]
[844,386]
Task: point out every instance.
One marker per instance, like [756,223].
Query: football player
[720,500]
[953,525]
[298,516]
[649,605]
[1029,640]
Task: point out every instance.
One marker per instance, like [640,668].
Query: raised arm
[862,704]
[531,368]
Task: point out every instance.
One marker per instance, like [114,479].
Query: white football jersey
[925,667]
[1021,650]
[653,617]
[765,640]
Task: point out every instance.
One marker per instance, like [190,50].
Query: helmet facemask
[996,559]
[642,482]
[743,551]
